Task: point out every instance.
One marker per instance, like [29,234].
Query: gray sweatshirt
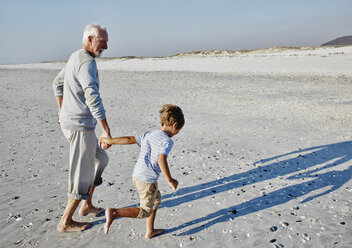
[78,84]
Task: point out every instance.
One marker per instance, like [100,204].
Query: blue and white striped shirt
[152,144]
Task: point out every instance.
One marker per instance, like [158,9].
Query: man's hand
[173,183]
[58,119]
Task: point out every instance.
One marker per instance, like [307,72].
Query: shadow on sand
[320,161]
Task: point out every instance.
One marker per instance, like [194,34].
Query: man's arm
[58,83]
[126,140]
[58,88]
[87,76]
[162,161]
[59,100]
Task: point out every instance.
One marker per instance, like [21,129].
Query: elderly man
[80,108]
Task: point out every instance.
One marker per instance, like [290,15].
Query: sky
[43,30]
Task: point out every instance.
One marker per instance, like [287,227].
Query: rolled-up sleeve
[90,85]
[58,83]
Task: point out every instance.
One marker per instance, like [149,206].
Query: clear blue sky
[47,30]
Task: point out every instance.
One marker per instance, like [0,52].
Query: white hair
[92,30]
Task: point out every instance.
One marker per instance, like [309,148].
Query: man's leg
[67,224]
[100,162]
[87,205]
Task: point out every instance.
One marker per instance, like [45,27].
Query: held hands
[173,183]
[103,137]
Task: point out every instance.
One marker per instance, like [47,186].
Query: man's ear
[90,38]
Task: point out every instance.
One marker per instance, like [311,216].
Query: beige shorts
[87,162]
[149,196]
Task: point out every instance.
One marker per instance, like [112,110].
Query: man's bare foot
[109,219]
[73,227]
[153,233]
[85,210]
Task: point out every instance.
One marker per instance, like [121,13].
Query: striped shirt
[152,144]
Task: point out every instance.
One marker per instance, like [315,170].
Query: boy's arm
[127,140]
[162,161]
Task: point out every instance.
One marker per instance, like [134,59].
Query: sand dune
[264,159]
[332,61]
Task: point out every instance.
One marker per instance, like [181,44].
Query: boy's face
[171,130]
[174,130]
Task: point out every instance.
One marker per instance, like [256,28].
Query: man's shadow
[321,160]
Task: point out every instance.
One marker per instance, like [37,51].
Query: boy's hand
[173,184]
[105,140]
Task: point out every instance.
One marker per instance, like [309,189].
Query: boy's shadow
[324,157]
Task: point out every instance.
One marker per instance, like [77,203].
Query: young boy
[155,146]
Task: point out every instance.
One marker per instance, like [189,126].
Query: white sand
[264,159]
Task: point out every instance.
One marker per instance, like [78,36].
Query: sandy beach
[264,159]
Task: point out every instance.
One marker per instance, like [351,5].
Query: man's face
[100,43]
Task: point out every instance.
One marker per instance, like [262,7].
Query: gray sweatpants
[87,162]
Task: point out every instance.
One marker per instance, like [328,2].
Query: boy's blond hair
[170,114]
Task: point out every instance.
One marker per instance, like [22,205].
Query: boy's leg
[66,223]
[112,213]
[150,199]
[150,231]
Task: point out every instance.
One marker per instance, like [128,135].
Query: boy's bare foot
[73,227]
[109,219]
[153,233]
[84,211]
